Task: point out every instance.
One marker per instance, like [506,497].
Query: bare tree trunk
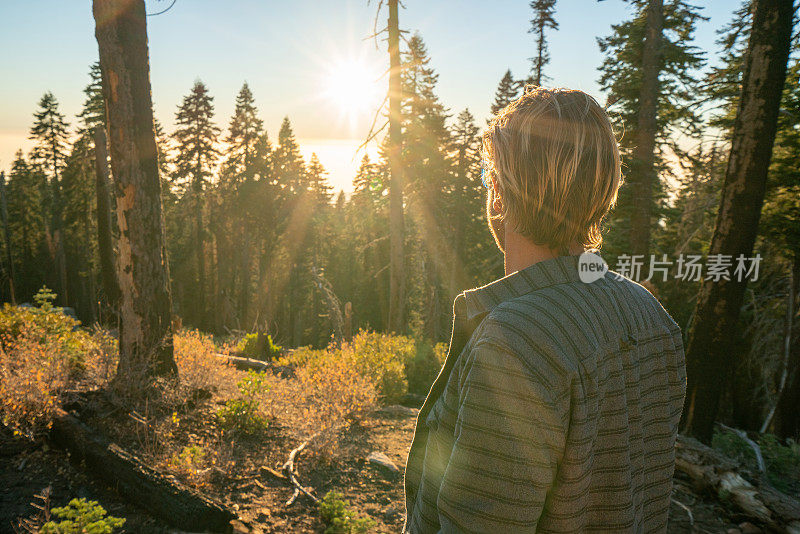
[105,242]
[717,311]
[396,181]
[788,416]
[7,233]
[200,258]
[642,176]
[143,274]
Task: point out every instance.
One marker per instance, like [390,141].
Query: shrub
[339,518]
[82,517]
[379,358]
[199,366]
[423,368]
[249,348]
[243,413]
[42,353]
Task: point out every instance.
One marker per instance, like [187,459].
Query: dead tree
[713,330]
[142,272]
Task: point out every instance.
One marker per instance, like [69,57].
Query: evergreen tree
[93,113]
[245,130]
[667,84]
[50,131]
[26,219]
[543,19]
[195,159]
[507,91]
[288,162]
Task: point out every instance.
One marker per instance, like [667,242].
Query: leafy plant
[339,518]
[425,365]
[243,413]
[82,517]
[249,347]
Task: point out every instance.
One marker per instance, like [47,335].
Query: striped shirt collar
[561,270]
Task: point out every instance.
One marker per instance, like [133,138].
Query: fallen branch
[716,473]
[687,510]
[161,496]
[753,445]
[290,470]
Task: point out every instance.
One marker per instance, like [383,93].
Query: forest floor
[259,497]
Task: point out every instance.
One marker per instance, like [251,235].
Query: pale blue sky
[285,49]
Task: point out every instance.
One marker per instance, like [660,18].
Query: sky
[310,60]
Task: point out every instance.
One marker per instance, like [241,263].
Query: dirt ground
[259,497]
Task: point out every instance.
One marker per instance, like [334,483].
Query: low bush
[42,353]
[199,365]
[423,368]
[82,517]
[379,358]
[249,348]
[243,414]
[339,518]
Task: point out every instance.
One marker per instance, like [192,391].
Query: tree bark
[105,242]
[396,181]
[642,176]
[717,311]
[143,274]
[788,415]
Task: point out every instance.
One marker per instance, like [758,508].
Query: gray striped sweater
[556,410]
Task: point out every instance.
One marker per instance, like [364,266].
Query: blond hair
[554,162]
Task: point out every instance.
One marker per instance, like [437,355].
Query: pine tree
[93,113]
[507,91]
[317,182]
[543,19]
[50,131]
[245,130]
[649,97]
[288,162]
[27,224]
[196,156]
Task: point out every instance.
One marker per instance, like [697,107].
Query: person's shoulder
[642,297]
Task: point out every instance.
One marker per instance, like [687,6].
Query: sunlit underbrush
[192,425]
[44,353]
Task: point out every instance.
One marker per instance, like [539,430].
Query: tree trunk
[143,274]
[788,415]
[105,242]
[396,182]
[717,311]
[200,258]
[642,176]
[7,234]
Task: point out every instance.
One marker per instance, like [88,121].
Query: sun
[353,86]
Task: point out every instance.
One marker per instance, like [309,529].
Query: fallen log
[714,472]
[161,496]
[250,364]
